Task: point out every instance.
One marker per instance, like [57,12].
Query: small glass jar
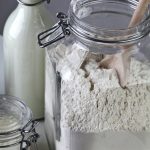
[85,103]
[17,129]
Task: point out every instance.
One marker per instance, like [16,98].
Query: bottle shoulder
[27,21]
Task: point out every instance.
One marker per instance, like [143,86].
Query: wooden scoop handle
[137,17]
[139,12]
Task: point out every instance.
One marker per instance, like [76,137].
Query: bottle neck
[32,2]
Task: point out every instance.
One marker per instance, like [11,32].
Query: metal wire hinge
[56,33]
[29,135]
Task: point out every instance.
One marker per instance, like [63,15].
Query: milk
[24,60]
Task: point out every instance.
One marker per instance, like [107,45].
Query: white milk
[24,60]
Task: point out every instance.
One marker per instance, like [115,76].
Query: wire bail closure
[60,29]
[29,135]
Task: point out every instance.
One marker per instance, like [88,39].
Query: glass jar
[85,103]
[17,129]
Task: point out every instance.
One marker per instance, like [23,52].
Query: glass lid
[14,114]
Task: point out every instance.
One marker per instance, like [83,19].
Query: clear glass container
[86,106]
[17,128]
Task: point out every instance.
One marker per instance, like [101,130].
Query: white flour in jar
[92,99]
[97,103]
[94,106]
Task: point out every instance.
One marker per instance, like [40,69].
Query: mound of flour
[92,99]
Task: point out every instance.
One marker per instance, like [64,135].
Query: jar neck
[22,138]
[10,139]
[82,13]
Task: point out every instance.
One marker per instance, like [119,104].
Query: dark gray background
[7,6]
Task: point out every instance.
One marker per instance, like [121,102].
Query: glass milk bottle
[24,60]
[17,127]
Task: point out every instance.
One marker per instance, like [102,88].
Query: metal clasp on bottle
[29,135]
[57,32]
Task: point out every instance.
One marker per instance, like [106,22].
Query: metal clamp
[60,29]
[29,135]
[27,4]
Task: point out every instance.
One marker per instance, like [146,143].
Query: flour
[92,100]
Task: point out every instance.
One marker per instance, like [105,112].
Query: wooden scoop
[121,61]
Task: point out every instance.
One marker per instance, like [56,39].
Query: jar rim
[98,34]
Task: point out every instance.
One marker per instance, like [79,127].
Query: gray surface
[42,142]
[7,6]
